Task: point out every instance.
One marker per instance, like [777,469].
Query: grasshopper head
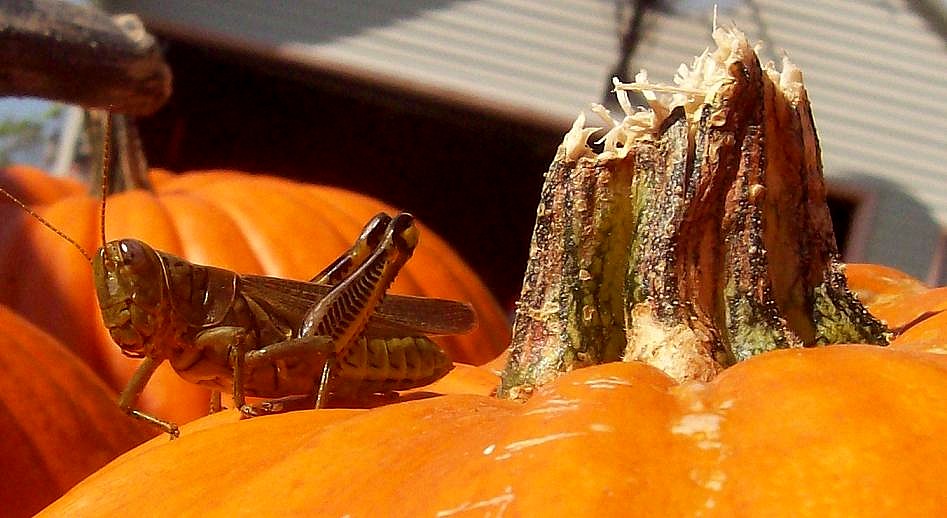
[130,284]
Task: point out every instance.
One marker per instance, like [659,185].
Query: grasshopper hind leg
[317,399]
[326,389]
[333,326]
[278,405]
[321,397]
[368,239]
[303,346]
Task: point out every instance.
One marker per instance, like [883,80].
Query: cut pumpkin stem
[698,237]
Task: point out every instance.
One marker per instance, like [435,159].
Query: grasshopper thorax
[129,283]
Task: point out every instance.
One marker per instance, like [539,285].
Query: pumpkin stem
[130,166]
[698,236]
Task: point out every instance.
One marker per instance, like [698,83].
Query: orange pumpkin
[908,306]
[894,296]
[58,420]
[837,430]
[840,430]
[246,223]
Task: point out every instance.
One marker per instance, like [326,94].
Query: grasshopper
[267,337]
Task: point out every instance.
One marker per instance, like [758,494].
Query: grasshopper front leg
[234,340]
[133,390]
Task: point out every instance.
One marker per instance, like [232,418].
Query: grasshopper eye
[134,255]
[130,254]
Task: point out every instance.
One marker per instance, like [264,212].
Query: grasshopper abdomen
[384,364]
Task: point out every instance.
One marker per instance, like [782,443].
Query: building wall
[877,79]
[874,68]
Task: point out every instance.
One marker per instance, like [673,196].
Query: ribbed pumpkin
[246,223]
[894,296]
[839,430]
[916,312]
[849,430]
[58,420]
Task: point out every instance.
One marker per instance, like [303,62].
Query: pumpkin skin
[58,420]
[894,296]
[246,223]
[910,307]
[839,430]
[34,186]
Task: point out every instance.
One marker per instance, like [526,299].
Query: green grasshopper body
[337,335]
[276,338]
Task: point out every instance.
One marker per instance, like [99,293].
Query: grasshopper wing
[397,316]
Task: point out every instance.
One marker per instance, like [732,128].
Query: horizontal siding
[875,72]
[545,58]
[878,82]
[876,75]
[877,79]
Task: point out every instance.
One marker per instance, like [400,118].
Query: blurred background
[453,109]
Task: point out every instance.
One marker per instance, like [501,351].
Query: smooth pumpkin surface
[834,431]
[246,223]
[894,296]
[34,186]
[879,284]
[58,420]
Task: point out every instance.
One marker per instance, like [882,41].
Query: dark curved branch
[80,55]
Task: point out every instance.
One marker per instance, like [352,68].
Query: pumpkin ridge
[59,414]
[214,191]
[250,230]
[34,471]
[187,232]
[45,255]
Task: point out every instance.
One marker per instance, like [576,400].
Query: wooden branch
[80,55]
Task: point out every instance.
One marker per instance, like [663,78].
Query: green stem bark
[699,242]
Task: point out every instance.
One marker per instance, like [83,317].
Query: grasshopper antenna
[46,223]
[106,166]
[105,175]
